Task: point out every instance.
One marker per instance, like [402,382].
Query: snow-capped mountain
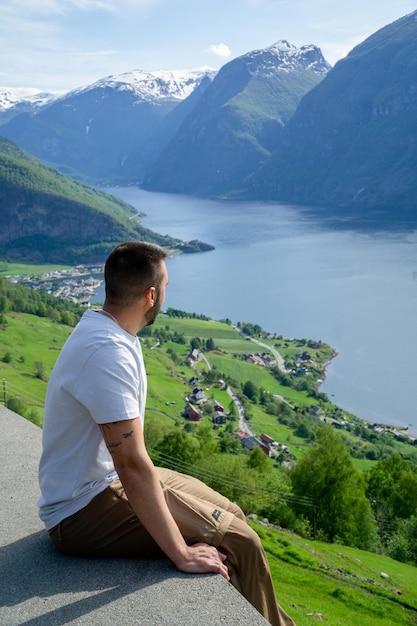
[152,86]
[285,57]
[12,97]
[238,120]
[90,132]
[145,85]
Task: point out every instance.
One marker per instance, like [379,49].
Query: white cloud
[42,7]
[93,53]
[220,49]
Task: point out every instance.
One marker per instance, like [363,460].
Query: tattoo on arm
[110,444]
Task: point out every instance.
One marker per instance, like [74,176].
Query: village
[197,399]
[81,282]
[78,283]
[192,412]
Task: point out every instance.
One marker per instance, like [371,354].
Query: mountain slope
[237,121]
[15,100]
[47,217]
[353,139]
[89,132]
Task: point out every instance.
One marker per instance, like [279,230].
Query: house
[267,440]
[219,417]
[250,442]
[198,396]
[316,410]
[192,413]
[268,360]
[299,371]
[192,357]
[333,422]
[265,450]
[240,434]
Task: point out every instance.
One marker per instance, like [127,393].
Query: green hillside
[326,583]
[235,126]
[369,479]
[46,217]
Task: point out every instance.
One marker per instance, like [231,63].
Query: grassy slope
[30,339]
[337,585]
[27,172]
[314,581]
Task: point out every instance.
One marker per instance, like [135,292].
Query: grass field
[28,339]
[336,585]
[315,582]
[20,269]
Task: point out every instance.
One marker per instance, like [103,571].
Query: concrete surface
[40,587]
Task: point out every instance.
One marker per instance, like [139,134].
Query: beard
[152,314]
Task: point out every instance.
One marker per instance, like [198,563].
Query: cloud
[93,53]
[220,49]
[42,7]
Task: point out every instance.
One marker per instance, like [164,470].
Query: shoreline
[378,426]
[84,283]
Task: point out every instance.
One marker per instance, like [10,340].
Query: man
[101,495]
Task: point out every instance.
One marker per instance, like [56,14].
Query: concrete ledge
[40,587]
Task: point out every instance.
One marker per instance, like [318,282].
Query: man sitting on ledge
[101,495]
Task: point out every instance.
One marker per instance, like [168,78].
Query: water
[300,274]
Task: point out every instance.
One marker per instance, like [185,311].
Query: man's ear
[150,295]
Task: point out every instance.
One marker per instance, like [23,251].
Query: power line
[205,474]
[23,393]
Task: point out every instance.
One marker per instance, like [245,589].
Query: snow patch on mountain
[285,57]
[13,96]
[152,86]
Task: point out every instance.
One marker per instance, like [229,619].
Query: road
[276,354]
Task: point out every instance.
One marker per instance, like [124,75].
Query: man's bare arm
[137,473]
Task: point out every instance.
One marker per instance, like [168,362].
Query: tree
[258,460]
[392,491]
[228,443]
[17,406]
[4,304]
[210,344]
[233,410]
[250,390]
[39,370]
[67,318]
[176,448]
[195,343]
[402,546]
[41,310]
[7,358]
[339,508]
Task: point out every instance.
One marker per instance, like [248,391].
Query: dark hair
[131,268]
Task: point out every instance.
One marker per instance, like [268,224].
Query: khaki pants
[108,527]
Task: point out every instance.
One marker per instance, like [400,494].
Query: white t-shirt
[98,378]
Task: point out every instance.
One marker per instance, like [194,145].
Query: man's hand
[124,440]
[201,559]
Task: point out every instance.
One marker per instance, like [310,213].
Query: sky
[58,45]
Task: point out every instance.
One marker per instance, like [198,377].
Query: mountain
[46,217]
[90,132]
[352,141]
[237,121]
[15,100]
